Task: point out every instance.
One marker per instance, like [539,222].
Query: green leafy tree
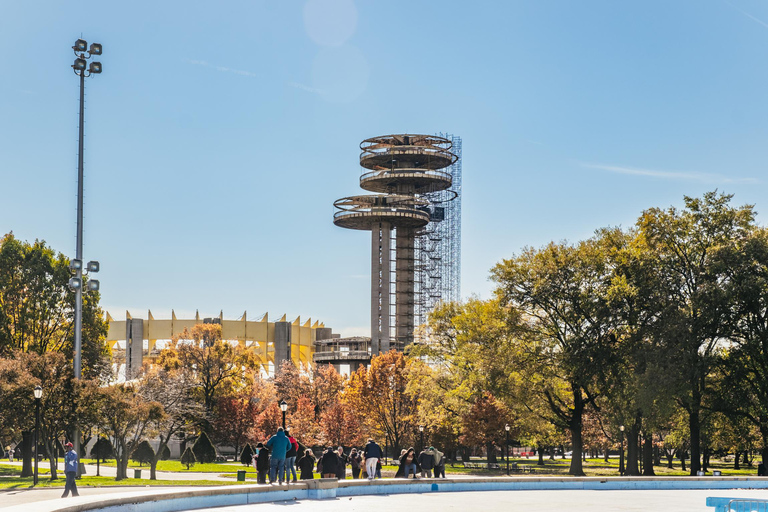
[693,315]
[562,293]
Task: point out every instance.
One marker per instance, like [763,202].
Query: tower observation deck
[402,171]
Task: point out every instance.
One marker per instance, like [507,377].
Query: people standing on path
[355,459]
[330,462]
[426,462]
[408,462]
[278,445]
[262,463]
[341,466]
[400,469]
[70,470]
[290,457]
[372,454]
[307,465]
[439,462]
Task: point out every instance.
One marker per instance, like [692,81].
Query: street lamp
[621,454]
[76,283]
[283,407]
[38,395]
[506,445]
[421,429]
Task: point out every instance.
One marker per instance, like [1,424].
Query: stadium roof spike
[242,318]
[297,321]
[173,315]
[127,315]
[221,314]
[308,323]
[149,315]
[317,322]
[109,317]
[197,315]
[265,317]
[282,319]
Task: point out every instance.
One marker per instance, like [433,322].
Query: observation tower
[401,171]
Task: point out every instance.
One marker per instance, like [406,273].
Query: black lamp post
[283,407]
[76,265]
[38,395]
[506,444]
[621,454]
[421,429]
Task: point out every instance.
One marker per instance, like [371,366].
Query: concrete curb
[328,488]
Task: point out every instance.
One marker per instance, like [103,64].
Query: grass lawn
[177,467]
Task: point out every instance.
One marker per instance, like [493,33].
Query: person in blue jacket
[70,470]
[278,444]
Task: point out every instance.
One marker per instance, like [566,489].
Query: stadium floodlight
[93,285]
[95,49]
[79,64]
[75,264]
[95,68]
[81,45]
[75,283]
[93,266]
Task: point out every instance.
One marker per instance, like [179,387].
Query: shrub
[143,454]
[204,450]
[246,454]
[166,453]
[102,449]
[188,457]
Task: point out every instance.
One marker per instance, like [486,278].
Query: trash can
[136,473]
[241,475]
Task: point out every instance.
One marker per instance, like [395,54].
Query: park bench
[737,505]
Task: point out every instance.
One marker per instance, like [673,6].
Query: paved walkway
[489,501]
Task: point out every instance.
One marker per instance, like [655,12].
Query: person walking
[278,446]
[262,463]
[70,470]
[408,463]
[426,462]
[290,457]
[355,459]
[307,465]
[330,462]
[439,462]
[371,454]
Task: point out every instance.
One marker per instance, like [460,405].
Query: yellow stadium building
[135,339]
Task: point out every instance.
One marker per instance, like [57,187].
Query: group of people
[429,460]
[278,458]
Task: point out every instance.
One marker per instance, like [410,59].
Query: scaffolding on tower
[438,245]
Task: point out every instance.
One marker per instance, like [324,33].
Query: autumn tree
[378,394]
[172,391]
[216,364]
[126,417]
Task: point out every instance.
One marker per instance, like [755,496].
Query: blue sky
[220,133]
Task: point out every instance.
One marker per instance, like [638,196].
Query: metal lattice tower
[402,171]
[438,247]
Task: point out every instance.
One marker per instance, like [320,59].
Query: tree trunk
[27,440]
[695,428]
[606,448]
[736,460]
[574,426]
[670,457]
[683,456]
[705,458]
[541,456]
[648,455]
[632,448]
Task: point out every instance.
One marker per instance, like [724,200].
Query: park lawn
[177,467]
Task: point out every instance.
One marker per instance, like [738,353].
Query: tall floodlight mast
[400,170]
